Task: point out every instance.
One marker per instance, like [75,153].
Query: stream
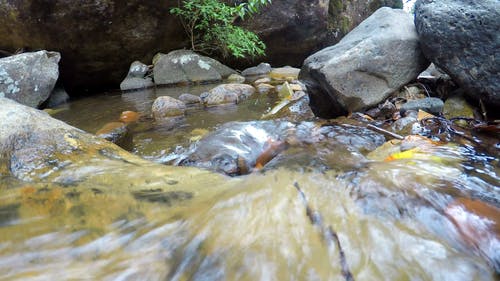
[340,202]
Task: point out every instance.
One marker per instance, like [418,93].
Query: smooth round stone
[165,106]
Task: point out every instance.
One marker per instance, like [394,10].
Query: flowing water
[338,204]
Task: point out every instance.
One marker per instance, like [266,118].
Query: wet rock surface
[238,148]
[228,94]
[235,147]
[189,98]
[365,67]
[165,107]
[29,78]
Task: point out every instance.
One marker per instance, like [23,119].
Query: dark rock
[261,69]
[462,38]
[430,105]
[29,78]
[165,107]
[184,67]
[366,66]
[57,97]
[293,29]
[96,39]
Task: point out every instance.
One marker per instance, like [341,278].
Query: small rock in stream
[189,98]
[431,105]
[165,107]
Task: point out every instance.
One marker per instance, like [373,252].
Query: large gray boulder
[462,38]
[366,66]
[184,67]
[29,78]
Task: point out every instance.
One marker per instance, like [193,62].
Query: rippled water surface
[344,207]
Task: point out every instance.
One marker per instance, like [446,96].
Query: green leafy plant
[210,27]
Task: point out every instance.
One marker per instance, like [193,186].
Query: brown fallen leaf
[423,115]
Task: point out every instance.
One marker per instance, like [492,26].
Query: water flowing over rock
[238,148]
[462,38]
[183,67]
[234,149]
[29,78]
[366,66]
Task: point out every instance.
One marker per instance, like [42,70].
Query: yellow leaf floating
[286,92]
[277,108]
[408,154]
[414,153]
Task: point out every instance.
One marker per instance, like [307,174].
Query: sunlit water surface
[311,215]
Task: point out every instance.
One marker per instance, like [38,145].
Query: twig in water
[329,234]
[389,135]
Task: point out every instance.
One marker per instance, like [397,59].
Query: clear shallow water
[152,139]
[319,211]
